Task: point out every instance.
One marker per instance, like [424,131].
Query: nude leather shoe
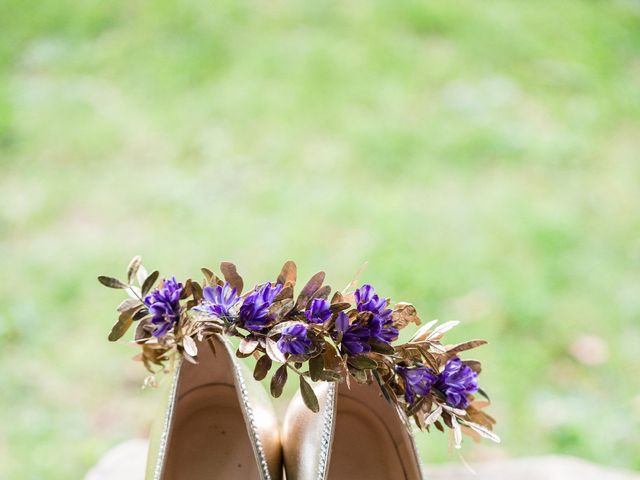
[215,424]
[355,435]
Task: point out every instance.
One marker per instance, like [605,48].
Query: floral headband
[349,337]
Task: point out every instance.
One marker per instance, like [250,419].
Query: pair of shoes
[358,395]
[219,424]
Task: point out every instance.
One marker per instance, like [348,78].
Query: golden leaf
[232,277]
[288,274]
[404,314]
[309,396]
[278,381]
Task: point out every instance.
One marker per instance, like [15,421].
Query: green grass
[482,156]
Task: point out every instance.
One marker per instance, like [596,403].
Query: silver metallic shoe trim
[326,436]
[243,395]
[167,422]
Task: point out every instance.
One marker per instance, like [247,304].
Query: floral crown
[349,337]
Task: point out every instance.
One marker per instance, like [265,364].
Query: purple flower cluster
[219,301]
[456,382]
[318,311]
[381,324]
[293,339]
[417,381]
[355,337]
[254,312]
[164,305]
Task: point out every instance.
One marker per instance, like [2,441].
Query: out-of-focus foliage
[483,156]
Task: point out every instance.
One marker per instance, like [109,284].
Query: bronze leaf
[288,274]
[278,381]
[232,277]
[309,396]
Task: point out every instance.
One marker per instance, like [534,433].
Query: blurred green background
[482,156]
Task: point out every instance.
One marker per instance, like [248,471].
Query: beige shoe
[356,434]
[215,424]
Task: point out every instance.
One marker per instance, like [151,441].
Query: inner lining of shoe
[370,440]
[209,438]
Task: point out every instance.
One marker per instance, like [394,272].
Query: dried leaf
[128,304]
[309,396]
[309,289]
[190,346]
[483,432]
[288,274]
[209,276]
[436,348]
[433,416]
[323,292]
[278,381]
[232,277]
[457,432]
[149,282]
[273,351]
[120,327]
[278,310]
[480,404]
[330,376]
[461,347]
[422,332]
[362,362]
[196,291]
[337,298]
[442,329]
[332,360]
[470,433]
[143,331]
[381,347]
[456,411]
[404,314]
[247,346]
[125,320]
[133,267]
[286,292]
[316,366]
[280,327]
[482,392]
[339,306]
[189,358]
[141,274]
[263,365]
[112,282]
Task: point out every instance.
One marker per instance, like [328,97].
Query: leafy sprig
[344,337]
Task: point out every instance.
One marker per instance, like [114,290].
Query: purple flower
[367,300]
[417,381]
[294,340]
[219,300]
[355,337]
[456,382]
[318,311]
[254,312]
[164,305]
[381,324]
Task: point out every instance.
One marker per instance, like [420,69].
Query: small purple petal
[293,340]
[457,381]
